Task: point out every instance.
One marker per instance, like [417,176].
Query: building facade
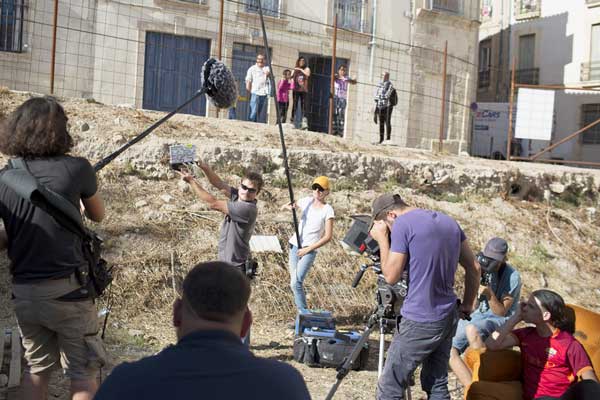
[148,54]
[551,43]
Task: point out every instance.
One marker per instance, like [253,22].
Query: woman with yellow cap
[316,229]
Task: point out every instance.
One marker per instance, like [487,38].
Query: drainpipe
[372,42]
[500,52]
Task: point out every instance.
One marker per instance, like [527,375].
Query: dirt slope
[155,230]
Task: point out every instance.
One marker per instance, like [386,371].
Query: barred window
[349,14]
[589,114]
[11,25]
[269,7]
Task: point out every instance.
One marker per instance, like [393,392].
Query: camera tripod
[384,316]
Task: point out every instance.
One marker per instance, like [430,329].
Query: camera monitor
[358,237]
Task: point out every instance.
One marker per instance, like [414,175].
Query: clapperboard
[181,154]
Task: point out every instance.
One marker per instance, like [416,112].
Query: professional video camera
[488,267]
[389,298]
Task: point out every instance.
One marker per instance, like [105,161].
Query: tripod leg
[381,347]
[345,367]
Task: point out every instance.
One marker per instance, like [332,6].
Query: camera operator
[240,211]
[57,319]
[430,244]
[500,286]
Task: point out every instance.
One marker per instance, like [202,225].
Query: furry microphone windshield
[219,83]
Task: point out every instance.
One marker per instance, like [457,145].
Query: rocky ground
[155,230]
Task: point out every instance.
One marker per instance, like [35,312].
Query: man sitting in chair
[499,293]
[555,364]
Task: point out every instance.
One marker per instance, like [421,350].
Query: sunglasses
[317,187]
[248,189]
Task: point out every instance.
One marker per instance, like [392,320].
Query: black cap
[496,248]
[385,202]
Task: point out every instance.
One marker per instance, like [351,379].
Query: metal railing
[527,8]
[269,7]
[196,1]
[529,76]
[11,25]
[590,71]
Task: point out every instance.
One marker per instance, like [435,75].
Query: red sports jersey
[550,364]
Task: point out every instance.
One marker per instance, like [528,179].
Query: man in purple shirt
[431,245]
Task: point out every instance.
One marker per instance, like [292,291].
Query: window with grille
[269,7]
[450,6]
[349,14]
[589,114]
[485,63]
[11,25]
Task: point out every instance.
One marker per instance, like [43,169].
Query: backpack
[393,97]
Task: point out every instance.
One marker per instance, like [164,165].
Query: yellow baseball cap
[322,181]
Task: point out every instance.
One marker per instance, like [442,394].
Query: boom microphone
[217,83]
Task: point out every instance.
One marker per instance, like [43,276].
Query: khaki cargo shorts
[59,331]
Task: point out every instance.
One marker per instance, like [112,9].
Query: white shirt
[258,77]
[312,221]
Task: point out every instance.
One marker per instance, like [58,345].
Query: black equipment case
[328,348]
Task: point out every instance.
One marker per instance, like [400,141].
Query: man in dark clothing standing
[383,106]
[209,361]
[240,211]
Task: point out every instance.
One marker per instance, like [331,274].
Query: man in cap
[499,293]
[430,245]
[208,361]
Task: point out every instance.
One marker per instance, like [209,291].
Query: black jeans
[385,122]
[283,108]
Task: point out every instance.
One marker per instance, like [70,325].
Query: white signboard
[490,130]
[535,114]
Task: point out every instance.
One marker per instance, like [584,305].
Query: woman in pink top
[283,99]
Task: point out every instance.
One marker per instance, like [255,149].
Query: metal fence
[126,52]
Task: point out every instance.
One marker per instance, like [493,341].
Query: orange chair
[497,374]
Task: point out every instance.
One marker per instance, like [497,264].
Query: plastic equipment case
[328,348]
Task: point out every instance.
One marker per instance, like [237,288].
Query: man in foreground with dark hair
[430,244]
[209,361]
[240,211]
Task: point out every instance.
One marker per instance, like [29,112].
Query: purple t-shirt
[432,241]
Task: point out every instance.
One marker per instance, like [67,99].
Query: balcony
[525,9]
[590,71]
[529,76]
[483,81]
